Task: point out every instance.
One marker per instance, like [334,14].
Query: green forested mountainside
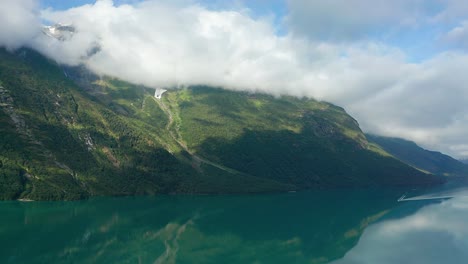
[108,137]
[412,154]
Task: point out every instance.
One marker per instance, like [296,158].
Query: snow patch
[159,92]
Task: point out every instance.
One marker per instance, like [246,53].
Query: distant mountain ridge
[430,161]
[108,137]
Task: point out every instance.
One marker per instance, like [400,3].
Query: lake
[337,226]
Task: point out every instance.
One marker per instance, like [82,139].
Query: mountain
[67,134]
[412,154]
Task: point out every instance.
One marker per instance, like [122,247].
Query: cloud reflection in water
[437,233]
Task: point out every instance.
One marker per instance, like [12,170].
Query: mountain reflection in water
[303,227]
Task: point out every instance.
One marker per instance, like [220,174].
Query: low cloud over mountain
[400,72]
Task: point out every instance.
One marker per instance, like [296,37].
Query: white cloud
[458,36]
[435,234]
[165,43]
[450,10]
[158,44]
[19,22]
[162,44]
[427,103]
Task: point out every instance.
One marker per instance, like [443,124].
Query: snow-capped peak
[59,31]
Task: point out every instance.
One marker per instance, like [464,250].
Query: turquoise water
[304,227]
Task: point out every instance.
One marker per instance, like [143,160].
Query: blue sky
[61,5]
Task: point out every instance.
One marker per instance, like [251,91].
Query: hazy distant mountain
[431,161]
[62,141]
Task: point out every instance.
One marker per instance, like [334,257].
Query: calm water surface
[359,226]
